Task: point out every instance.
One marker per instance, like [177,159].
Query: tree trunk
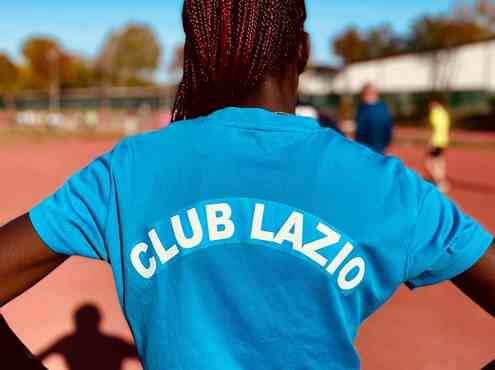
[10,109]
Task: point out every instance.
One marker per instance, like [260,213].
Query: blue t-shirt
[254,240]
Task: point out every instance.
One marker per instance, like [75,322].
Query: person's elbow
[478,283]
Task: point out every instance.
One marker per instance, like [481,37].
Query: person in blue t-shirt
[243,236]
[374,121]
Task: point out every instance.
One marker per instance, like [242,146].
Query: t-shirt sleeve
[444,242]
[72,221]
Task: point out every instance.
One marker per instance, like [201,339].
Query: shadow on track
[88,347]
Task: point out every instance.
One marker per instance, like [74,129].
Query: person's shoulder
[170,131]
[369,181]
[166,134]
[153,144]
[355,159]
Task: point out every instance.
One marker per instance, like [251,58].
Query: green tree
[130,55]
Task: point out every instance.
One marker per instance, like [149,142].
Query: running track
[429,329]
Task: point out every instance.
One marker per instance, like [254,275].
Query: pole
[54,58]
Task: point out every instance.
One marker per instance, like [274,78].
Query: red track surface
[429,329]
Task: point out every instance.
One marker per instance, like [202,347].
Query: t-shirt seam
[110,192]
[458,258]
[411,235]
[418,282]
[240,127]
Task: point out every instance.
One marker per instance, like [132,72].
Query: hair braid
[231,46]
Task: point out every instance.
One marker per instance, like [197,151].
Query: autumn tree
[130,55]
[8,80]
[441,32]
[44,57]
[351,46]
[382,41]
[481,12]
[79,72]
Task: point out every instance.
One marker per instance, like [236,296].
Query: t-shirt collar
[261,119]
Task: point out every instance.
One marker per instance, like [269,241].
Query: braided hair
[231,47]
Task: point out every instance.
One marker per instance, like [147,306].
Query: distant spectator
[374,121]
[436,164]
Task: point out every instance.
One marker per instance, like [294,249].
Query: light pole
[54,60]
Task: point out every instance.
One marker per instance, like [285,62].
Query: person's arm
[25,259]
[445,244]
[59,347]
[478,283]
[70,222]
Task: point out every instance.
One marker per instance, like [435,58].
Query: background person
[374,121]
[436,164]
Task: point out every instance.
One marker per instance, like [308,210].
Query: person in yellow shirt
[440,122]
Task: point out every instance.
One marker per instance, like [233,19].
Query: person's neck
[271,96]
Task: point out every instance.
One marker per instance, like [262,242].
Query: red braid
[231,46]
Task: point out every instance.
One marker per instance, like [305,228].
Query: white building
[317,81]
[466,68]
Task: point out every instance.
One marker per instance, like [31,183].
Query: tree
[481,12]
[351,46]
[382,41]
[441,32]
[79,72]
[354,46]
[130,54]
[8,73]
[8,79]
[43,56]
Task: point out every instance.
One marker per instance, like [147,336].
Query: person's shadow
[89,348]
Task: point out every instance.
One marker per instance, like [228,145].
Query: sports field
[429,329]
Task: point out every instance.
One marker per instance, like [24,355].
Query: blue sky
[81,26]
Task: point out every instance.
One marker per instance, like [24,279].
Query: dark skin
[25,259]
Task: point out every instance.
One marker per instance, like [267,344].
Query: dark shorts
[436,152]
